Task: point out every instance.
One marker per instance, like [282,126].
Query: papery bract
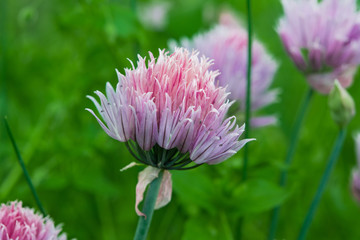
[323,40]
[145,178]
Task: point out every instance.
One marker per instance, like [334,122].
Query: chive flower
[170,114]
[22,223]
[227,44]
[323,40]
[171,104]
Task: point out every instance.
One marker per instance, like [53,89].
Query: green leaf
[203,227]
[257,195]
[194,188]
[121,21]
[95,183]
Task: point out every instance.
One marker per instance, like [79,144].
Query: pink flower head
[22,223]
[323,40]
[227,44]
[172,110]
[356,172]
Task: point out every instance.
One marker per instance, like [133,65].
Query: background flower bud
[341,105]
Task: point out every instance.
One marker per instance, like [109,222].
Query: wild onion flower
[355,185]
[323,40]
[170,113]
[22,223]
[227,43]
[170,104]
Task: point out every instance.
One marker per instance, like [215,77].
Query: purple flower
[227,45]
[323,40]
[170,103]
[170,113]
[22,223]
[355,186]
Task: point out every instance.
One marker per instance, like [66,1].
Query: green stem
[239,222]
[133,5]
[332,161]
[3,56]
[248,89]
[136,44]
[148,208]
[295,135]
[26,174]
[290,154]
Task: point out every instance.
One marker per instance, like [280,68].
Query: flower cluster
[170,112]
[17,222]
[322,38]
[227,44]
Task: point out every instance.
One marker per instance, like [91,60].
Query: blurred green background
[54,53]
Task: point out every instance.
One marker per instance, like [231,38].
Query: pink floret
[171,101]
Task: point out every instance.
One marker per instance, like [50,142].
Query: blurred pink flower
[22,223]
[355,186]
[170,103]
[227,44]
[154,15]
[323,40]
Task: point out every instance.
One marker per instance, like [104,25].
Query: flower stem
[148,208]
[133,5]
[136,44]
[3,56]
[332,160]
[26,174]
[248,89]
[239,222]
[290,154]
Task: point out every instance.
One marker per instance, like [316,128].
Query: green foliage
[205,228]
[258,195]
[54,53]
